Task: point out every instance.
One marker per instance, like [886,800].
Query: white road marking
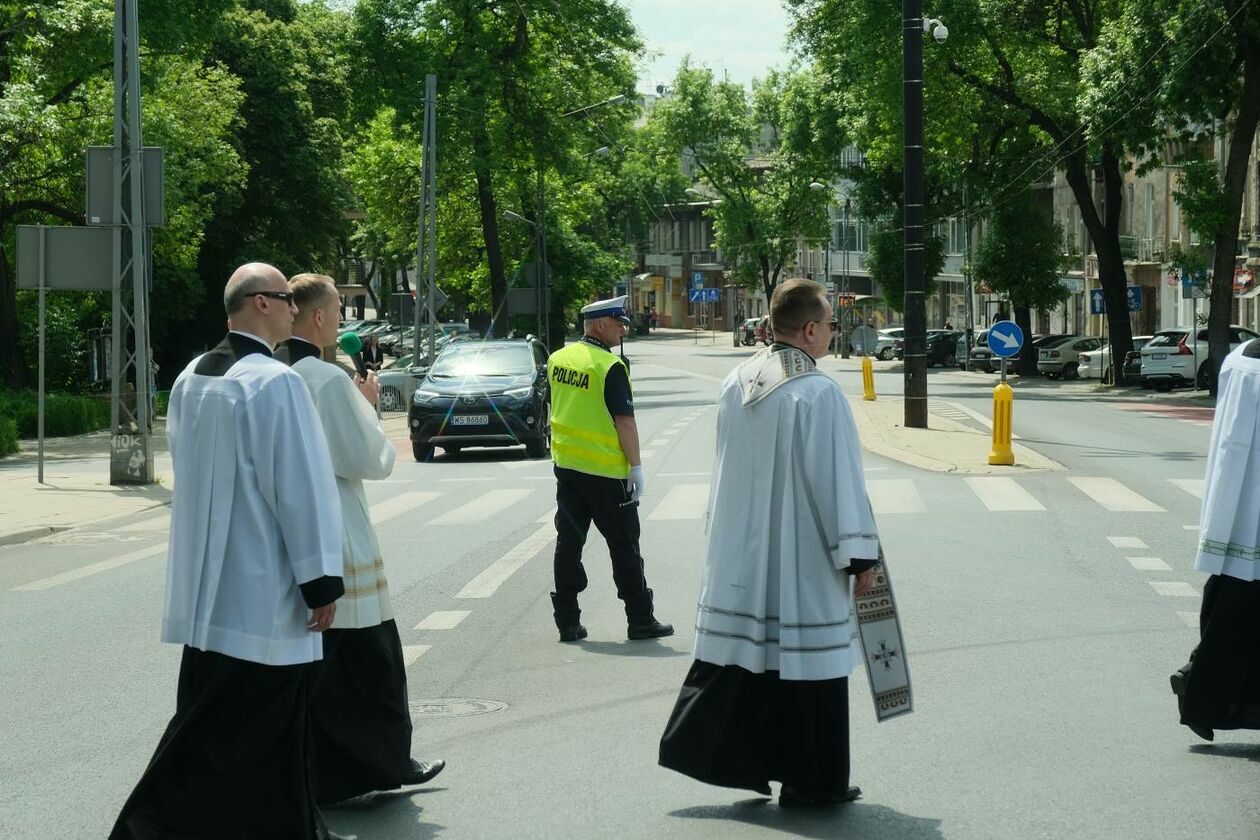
[1190,618]
[683,501]
[160,523]
[647,453]
[1003,494]
[482,508]
[549,516]
[1148,564]
[894,495]
[400,504]
[1114,496]
[520,465]
[1190,527]
[1127,542]
[88,571]
[1174,588]
[681,474]
[443,620]
[479,478]
[978,417]
[413,652]
[1193,486]
[488,582]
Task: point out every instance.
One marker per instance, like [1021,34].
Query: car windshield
[1167,339]
[400,362]
[475,359]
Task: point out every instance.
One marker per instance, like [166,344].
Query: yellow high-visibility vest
[583,435]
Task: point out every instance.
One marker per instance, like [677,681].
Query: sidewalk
[76,492]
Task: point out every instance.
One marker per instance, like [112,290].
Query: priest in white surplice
[1220,688]
[253,575]
[359,711]
[789,528]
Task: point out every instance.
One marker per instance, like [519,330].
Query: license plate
[470,420]
[1159,356]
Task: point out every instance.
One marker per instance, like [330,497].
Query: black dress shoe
[332,835]
[652,630]
[422,771]
[790,797]
[572,633]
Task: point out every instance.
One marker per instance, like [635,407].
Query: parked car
[1096,364]
[886,341]
[748,332]
[962,354]
[763,333]
[398,382]
[939,346]
[1061,358]
[1133,361]
[483,393]
[1169,358]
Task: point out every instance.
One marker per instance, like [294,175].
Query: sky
[741,37]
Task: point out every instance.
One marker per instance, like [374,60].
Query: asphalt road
[1040,640]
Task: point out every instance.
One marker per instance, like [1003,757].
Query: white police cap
[611,308]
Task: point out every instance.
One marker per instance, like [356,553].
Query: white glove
[636,483]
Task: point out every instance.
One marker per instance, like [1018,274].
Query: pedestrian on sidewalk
[1220,687]
[655,318]
[359,709]
[253,575]
[789,530]
[373,356]
[599,474]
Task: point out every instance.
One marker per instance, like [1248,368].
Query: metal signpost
[426,237]
[706,296]
[1005,340]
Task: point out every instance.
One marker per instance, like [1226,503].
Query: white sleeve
[295,476]
[357,443]
[831,461]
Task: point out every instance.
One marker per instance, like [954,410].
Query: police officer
[599,475]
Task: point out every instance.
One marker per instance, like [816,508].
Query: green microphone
[352,346]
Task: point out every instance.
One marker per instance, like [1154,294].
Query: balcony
[706,259]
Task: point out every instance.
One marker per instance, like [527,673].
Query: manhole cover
[455,707]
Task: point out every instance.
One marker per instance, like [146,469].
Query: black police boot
[641,621]
[568,618]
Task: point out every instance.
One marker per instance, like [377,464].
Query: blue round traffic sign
[1005,338]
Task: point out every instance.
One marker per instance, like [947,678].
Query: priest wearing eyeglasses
[254,570]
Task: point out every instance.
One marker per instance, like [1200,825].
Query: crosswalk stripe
[87,571]
[1190,618]
[488,582]
[443,620]
[1114,496]
[400,504]
[683,501]
[520,465]
[1003,494]
[482,508]
[1193,486]
[1174,588]
[413,652]
[1127,542]
[549,516]
[647,453]
[894,495]
[1148,564]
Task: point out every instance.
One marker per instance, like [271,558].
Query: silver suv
[1173,358]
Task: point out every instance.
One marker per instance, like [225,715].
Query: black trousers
[580,500]
[1223,679]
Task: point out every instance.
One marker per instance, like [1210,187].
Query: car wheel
[390,399]
[452,450]
[884,355]
[421,451]
[1201,378]
[540,447]
[1162,385]
[1052,376]
[1070,371]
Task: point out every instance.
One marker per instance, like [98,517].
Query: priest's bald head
[258,301]
[319,308]
[801,316]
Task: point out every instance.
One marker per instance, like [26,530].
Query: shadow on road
[387,814]
[1251,752]
[647,648]
[855,820]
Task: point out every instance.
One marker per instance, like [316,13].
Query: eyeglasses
[834,323]
[287,297]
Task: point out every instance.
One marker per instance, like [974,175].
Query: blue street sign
[703,295]
[1005,339]
[1097,302]
[1135,298]
[697,279]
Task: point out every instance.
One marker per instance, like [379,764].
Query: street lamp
[913,27]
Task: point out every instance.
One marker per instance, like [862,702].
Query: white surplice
[787,513]
[254,513]
[360,451]
[1229,523]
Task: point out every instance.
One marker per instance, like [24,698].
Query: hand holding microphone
[352,346]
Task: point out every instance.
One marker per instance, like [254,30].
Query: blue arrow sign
[1097,302]
[703,295]
[1005,338]
[1135,298]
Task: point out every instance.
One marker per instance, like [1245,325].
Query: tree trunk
[1028,353]
[10,366]
[1226,239]
[1105,231]
[490,231]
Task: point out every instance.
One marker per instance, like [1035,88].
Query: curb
[19,537]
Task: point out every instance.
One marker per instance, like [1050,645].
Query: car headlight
[519,393]
[423,396]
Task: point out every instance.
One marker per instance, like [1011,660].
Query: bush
[8,436]
[163,399]
[64,414]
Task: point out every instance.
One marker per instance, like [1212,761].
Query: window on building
[1174,223]
[1128,210]
[957,235]
[1150,211]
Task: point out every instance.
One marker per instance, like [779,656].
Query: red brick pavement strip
[1196,414]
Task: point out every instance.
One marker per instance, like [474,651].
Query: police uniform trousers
[581,499]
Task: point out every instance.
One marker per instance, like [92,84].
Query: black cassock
[1222,681]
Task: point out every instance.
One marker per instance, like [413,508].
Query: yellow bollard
[868,379]
[1003,400]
